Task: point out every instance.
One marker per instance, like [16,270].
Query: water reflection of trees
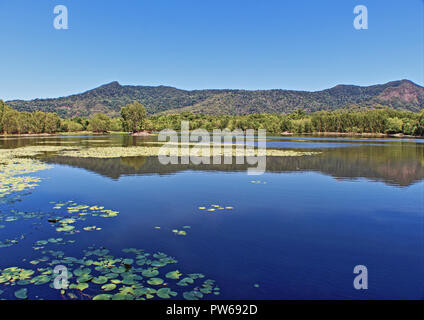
[398,164]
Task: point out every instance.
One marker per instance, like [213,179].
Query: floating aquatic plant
[165,293]
[179,232]
[173,274]
[145,150]
[14,163]
[258,182]
[185,281]
[102,276]
[155,281]
[21,293]
[11,171]
[11,275]
[75,212]
[215,207]
[10,242]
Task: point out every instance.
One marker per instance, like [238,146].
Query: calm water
[298,235]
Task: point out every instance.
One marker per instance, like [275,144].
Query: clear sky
[197,44]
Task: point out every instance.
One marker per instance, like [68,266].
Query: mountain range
[109,98]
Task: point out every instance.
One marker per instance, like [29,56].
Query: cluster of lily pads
[10,216]
[14,215]
[10,242]
[76,212]
[98,275]
[258,182]
[14,178]
[16,163]
[178,232]
[215,207]
[40,244]
[146,150]
[181,232]
[12,171]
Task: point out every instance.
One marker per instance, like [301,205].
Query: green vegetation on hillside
[109,98]
[354,120]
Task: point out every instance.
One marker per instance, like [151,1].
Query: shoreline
[356,134]
[149,133]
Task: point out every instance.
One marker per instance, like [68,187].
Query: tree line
[133,118]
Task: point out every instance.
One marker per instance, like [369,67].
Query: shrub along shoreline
[377,121]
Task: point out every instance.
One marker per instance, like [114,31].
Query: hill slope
[109,98]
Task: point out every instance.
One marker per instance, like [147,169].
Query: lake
[295,232]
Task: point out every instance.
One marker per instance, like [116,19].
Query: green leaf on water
[109,287]
[165,293]
[155,281]
[100,280]
[102,297]
[185,281]
[120,296]
[22,293]
[118,269]
[173,275]
[150,272]
[81,272]
[192,295]
[128,261]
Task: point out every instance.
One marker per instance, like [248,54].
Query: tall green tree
[52,123]
[100,122]
[38,121]
[134,116]
[71,126]
[3,106]
[394,125]
[116,124]
[25,122]
[10,121]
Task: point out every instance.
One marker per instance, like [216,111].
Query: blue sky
[192,44]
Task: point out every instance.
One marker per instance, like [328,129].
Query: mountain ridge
[110,97]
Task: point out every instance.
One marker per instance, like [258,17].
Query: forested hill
[109,98]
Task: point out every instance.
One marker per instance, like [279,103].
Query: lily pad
[150,272]
[100,280]
[165,293]
[185,281]
[21,293]
[102,297]
[155,281]
[192,295]
[109,287]
[173,274]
